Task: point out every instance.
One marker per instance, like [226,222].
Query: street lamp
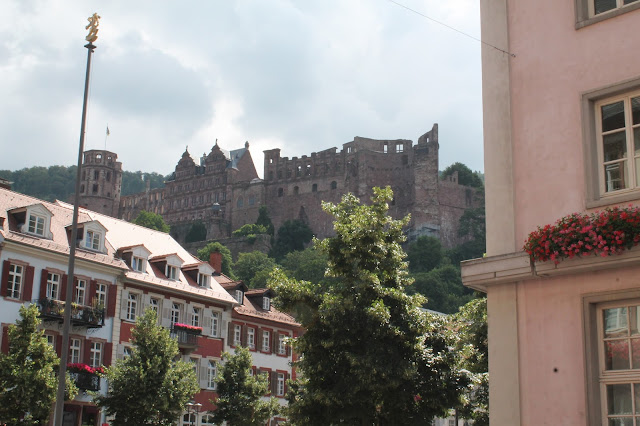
[196,409]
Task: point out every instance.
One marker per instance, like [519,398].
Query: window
[92,240]
[215,321]
[195,317]
[618,131]
[53,285]
[81,287]
[314,187]
[280,192]
[282,348]
[239,296]
[189,419]
[138,264]
[349,150]
[251,338]
[240,202]
[280,385]
[16,272]
[212,373]
[385,148]
[171,272]
[266,341]
[51,340]
[266,303]
[207,420]
[127,351]
[194,365]
[334,184]
[101,294]
[237,335]
[95,356]
[74,351]
[132,306]
[175,313]
[203,280]
[592,11]
[399,147]
[36,225]
[600,6]
[154,303]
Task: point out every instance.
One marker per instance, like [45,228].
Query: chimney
[215,260]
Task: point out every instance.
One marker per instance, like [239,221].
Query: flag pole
[107,133]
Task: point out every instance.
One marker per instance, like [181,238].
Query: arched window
[314,187]
[334,185]
[240,202]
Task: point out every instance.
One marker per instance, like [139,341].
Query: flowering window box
[87,378]
[187,328]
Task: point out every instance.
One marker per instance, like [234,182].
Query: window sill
[607,15]
[613,199]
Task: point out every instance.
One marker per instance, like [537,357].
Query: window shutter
[87,351]
[204,373]
[5,339]
[287,377]
[111,300]
[4,284]
[120,352]
[59,345]
[230,335]
[206,322]
[275,337]
[258,339]
[189,316]
[273,375]
[28,284]
[93,284]
[43,284]
[244,332]
[63,288]
[166,313]
[146,302]
[123,304]
[223,329]
[107,353]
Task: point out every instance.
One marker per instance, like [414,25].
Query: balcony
[187,339]
[85,381]
[82,316]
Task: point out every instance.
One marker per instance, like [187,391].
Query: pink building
[562,135]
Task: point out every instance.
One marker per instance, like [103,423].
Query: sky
[299,75]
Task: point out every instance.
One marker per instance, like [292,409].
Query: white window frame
[80,292]
[280,384]
[36,224]
[154,303]
[399,147]
[237,335]
[215,323]
[95,356]
[92,239]
[51,340]
[619,5]
[16,275]
[101,294]
[75,349]
[212,374]
[195,316]
[175,311]
[132,306]
[266,341]
[138,264]
[266,303]
[171,272]
[631,160]
[251,337]
[53,286]
[239,296]
[282,346]
[203,279]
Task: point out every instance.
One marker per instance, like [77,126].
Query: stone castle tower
[101,182]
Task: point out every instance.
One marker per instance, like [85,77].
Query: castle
[224,191]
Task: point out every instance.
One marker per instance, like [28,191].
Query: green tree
[152,221]
[465,175]
[197,232]
[253,268]
[293,235]
[148,387]
[265,220]
[424,254]
[472,226]
[28,373]
[369,354]
[470,325]
[443,289]
[250,230]
[239,400]
[135,182]
[216,247]
[309,264]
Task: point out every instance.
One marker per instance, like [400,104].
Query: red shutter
[111,300]
[63,288]
[275,337]
[106,356]
[92,292]
[59,345]
[87,351]
[28,284]
[43,284]
[230,335]
[4,284]
[5,339]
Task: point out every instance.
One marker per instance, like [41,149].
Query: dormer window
[36,225]
[171,272]
[266,303]
[138,264]
[92,240]
[203,280]
[239,296]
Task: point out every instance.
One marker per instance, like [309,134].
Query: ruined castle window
[296,190]
[98,156]
[270,160]
[224,195]
[314,187]
[334,185]
[109,194]
[82,188]
[96,174]
[385,148]
[288,173]
[348,150]
[108,176]
[308,171]
[280,192]
[240,202]
[270,175]
[298,171]
[252,200]
[399,147]
[95,188]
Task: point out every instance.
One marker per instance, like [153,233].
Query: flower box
[187,328]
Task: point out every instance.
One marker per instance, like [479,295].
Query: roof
[249,309]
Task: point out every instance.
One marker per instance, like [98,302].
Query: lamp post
[94,21]
[196,409]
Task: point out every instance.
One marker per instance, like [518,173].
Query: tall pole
[64,351]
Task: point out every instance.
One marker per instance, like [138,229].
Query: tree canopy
[424,254]
[465,175]
[149,386]
[265,220]
[369,354]
[197,232]
[28,373]
[152,221]
[254,268]
[309,264]
[227,262]
[239,400]
[293,235]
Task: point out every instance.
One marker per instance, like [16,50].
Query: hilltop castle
[225,192]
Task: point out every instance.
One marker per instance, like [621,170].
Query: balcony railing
[86,381]
[186,339]
[86,316]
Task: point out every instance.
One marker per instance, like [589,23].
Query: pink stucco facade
[542,163]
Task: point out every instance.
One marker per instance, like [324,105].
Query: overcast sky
[299,75]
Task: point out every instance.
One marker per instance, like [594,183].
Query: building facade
[224,191]
[561,135]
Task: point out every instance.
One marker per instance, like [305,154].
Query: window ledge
[611,200]
[607,15]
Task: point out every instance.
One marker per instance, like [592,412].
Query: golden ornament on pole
[94,21]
